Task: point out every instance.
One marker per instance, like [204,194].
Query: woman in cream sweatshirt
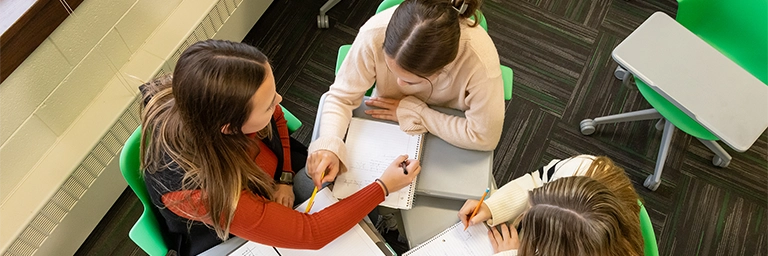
[583,205]
[422,53]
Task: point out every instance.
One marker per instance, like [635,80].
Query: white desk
[713,90]
[448,177]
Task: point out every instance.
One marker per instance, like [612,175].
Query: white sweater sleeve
[356,75]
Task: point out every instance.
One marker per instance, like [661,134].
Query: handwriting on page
[254,249]
[371,147]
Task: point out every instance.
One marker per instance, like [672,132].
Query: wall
[67,110]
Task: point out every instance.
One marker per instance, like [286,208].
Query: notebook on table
[371,147]
[354,242]
[456,241]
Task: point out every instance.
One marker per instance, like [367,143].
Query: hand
[483,214]
[505,241]
[322,161]
[284,195]
[394,178]
[388,107]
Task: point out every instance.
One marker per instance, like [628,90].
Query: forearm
[479,130]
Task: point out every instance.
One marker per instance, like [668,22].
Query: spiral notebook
[371,148]
[456,241]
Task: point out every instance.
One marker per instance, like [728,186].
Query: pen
[477,208]
[312,198]
[403,164]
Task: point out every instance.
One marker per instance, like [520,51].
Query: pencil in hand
[312,198]
[403,165]
[477,208]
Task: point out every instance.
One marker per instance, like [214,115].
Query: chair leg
[322,19]
[653,180]
[588,125]
[721,158]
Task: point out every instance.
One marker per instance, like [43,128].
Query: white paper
[371,148]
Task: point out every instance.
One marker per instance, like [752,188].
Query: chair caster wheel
[587,126]
[651,184]
[619,73]
[322,21]
[719,162]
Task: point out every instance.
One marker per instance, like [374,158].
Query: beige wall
[58,104]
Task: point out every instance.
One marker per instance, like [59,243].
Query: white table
[448,177]
[713,90]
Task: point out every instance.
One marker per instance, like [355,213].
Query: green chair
[739,30]
[146,232]
[506,73]
[649,237]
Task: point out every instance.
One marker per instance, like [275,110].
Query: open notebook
[354,242]
[371,148]
[456,241]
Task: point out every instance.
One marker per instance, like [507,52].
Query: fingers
[494,243]
[496,235]
[466,211]
[382,102]
[513,234]
[504,231]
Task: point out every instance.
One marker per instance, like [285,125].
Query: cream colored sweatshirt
[511,200]
[471,83]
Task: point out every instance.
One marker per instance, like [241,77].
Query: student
[422,53]
[216,140]
[582,205]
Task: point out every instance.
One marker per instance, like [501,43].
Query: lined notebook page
[371,147]
[254,249]
[455,241]
[354,242]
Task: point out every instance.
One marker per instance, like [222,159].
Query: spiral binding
[425,243]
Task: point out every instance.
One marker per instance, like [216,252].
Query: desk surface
[713,90]
[447,171]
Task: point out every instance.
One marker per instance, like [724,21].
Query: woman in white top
[583,205]
[421,53]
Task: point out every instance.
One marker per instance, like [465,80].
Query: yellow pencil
[312,198]
[477,208]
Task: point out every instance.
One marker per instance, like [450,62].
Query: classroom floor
[560,53]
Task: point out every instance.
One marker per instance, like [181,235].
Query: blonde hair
[596,214]
[211,87]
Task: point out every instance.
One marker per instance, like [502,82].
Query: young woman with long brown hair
[421,53]
[582,205]
[215,150]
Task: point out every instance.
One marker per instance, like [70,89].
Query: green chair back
[739,30]
[293,123]
[649,237]
[146,232]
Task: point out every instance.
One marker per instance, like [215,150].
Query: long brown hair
[211,87]
[423,35]
[596,214]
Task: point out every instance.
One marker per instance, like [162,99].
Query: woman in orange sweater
[216,151]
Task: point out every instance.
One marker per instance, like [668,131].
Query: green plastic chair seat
[671,113]
[146,232]
[650,248]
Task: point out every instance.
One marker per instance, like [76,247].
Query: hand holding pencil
[474,211]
